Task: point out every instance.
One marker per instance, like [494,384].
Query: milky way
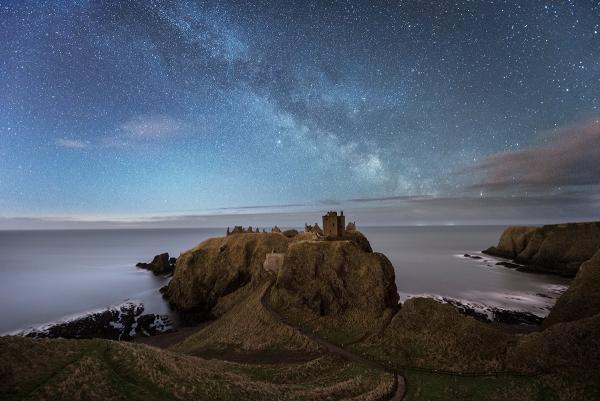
[149,107]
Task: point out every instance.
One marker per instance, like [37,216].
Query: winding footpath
[399,381]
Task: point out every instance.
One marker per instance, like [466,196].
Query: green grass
[423,386]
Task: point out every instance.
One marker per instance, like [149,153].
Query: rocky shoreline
[122,322]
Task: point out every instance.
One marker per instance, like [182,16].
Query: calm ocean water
[48,275]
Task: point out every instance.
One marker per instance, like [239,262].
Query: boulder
[558,248]
[161,264]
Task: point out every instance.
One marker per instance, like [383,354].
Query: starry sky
[150,108]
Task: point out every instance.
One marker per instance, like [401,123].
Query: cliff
[327,276]
[219,267]
[582,298]
[338,280]
[558,249]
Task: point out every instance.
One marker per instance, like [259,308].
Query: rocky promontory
[330,277]
[557,248]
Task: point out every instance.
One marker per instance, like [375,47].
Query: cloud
[571,158]
[71,143]
[154,126]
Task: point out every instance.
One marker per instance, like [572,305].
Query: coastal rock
[359,239]
[161,264]
[337,279]
[218,267]
[582,298]
[558,249]
[492,314]
[121,322]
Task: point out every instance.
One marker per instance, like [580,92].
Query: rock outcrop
[328,277]
[218,267]
[161,264]
[582,298]
[558,249]
[121,322]
[335,278]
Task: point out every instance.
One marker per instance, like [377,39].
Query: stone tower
[334,226]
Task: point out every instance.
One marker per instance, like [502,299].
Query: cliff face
[218,267]
[559,248]
[327,277]
[582,298]
[336,279]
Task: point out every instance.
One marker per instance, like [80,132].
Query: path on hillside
[399,381]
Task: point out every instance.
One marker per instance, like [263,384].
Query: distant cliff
[557,248]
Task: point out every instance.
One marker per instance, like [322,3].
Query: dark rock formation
[122,322]
[493,314]
[582,298]
[336,279]
[558,249]
[218,267]
[358,238]
[161,264]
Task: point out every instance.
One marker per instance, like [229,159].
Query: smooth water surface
[429,260]
[47,275]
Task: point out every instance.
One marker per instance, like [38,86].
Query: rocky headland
[311,317]
[557,248]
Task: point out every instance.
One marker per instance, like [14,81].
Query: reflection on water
[50,274]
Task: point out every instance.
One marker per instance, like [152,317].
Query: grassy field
[424,386]
[107,370]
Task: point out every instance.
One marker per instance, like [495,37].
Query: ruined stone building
[334,225]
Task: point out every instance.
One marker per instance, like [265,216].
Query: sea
[55,275]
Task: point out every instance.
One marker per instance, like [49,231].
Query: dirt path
[399,384]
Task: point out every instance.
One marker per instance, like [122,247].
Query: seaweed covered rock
[558,248]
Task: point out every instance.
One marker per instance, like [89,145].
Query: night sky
[114,109]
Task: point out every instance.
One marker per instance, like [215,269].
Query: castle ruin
[334,226]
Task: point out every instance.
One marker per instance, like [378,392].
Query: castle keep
[334,225]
